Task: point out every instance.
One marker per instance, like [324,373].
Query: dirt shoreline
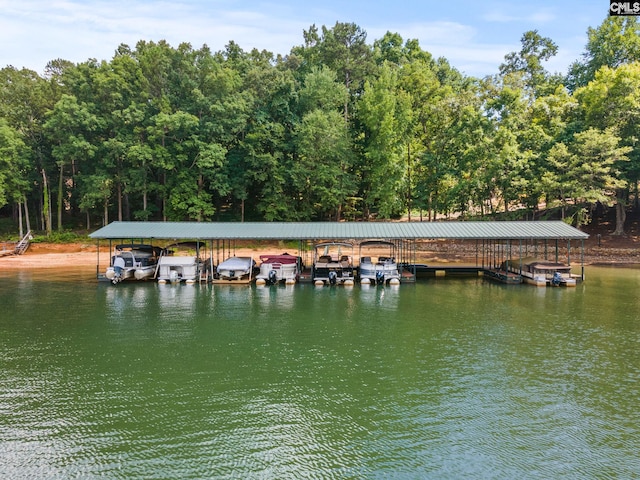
[606,251]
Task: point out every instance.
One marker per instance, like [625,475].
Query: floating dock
[495,241]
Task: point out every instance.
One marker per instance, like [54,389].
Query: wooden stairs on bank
[16,248]
[23,245]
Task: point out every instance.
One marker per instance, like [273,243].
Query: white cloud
[41,31]
[441,32]
[456,42]
[534,17]
[33,32]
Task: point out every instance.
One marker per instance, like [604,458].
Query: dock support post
[520,253]
[582,258]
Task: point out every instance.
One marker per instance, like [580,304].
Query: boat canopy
[370,243]
[285,258]
[139,249]
[467,230]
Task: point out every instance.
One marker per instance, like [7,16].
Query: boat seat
[365,260]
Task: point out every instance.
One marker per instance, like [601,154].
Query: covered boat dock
[496,242]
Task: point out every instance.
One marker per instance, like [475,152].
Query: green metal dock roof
[520,230]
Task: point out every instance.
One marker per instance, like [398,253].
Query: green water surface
[447,378]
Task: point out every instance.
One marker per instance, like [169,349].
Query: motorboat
[181,263]
[380,270]
[235,269]
[133,261]
[283,268]
[540,272]
[333,264]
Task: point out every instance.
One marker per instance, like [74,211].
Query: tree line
[337,129]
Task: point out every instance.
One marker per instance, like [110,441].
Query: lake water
[447,378]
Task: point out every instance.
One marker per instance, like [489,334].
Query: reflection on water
[448,378]
[380,297]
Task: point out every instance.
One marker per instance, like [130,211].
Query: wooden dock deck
[497,275]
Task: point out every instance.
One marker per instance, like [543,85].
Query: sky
[473,35]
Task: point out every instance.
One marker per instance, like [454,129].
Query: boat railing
[155,273]
[251,269]
[133,258]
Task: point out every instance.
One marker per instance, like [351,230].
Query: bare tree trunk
[26,214]
[41,205]
[46,207]
[119,201]
[126,207]
[144,201]
[20,219]
[621,214]
[60,188]
[164,198]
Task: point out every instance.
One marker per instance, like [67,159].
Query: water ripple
[437,380]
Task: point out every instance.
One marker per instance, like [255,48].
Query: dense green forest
[338,129]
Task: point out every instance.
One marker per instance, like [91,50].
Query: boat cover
[236,263]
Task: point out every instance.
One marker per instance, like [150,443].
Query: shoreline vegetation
[341,128]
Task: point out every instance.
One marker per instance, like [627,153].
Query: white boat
[279,268]
[541,273]
[130,261]
[382,269]
[333,264]
[235,269]
[180,263]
